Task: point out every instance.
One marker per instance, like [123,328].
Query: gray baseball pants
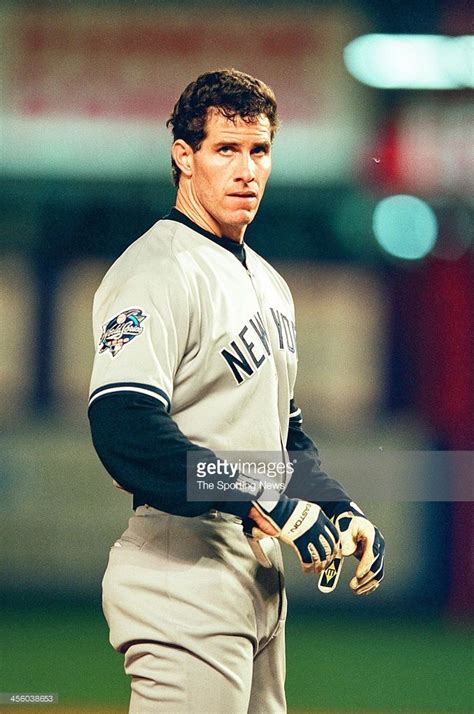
[199,621]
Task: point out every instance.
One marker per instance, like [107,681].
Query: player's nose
[246,168]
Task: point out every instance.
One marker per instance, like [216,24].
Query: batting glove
[361,538]
[301,524]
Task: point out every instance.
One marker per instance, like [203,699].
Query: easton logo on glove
[329,577]
[300,524]
[301,519]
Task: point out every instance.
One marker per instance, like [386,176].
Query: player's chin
[242,217]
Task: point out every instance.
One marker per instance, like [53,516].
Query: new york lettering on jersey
[247,352]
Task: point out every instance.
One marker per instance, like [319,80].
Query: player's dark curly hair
[232,92]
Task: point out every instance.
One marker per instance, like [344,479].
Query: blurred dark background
[368,215]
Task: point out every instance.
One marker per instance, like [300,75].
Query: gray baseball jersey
[178,318]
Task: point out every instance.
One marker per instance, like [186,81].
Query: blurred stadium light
[412,61]
[405,226]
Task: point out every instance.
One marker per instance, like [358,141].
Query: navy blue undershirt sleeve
[309,482]
[145,452]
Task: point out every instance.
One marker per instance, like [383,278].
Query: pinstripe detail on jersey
[120,387]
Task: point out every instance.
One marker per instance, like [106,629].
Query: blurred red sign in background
[135,63]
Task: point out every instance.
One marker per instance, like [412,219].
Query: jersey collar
[238,249]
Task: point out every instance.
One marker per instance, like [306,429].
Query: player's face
[230,171]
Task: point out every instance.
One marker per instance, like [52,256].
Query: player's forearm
[309,482]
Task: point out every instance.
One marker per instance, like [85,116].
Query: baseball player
[196,357]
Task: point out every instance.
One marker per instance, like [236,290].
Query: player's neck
[186,206]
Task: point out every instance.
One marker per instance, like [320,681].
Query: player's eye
[260,150]
[226,150]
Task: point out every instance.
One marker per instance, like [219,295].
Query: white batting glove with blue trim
[300,524]
[359,537]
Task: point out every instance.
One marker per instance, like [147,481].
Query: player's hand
[359,537]
[301,524]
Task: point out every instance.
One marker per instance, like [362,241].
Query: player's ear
[182,155]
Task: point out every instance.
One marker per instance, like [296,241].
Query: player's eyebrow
[219,144]
[264,144]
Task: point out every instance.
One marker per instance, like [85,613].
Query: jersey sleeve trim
[296,417]
[120,387]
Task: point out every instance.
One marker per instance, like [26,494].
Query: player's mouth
[243,194]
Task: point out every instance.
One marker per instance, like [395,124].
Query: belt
[212,513]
